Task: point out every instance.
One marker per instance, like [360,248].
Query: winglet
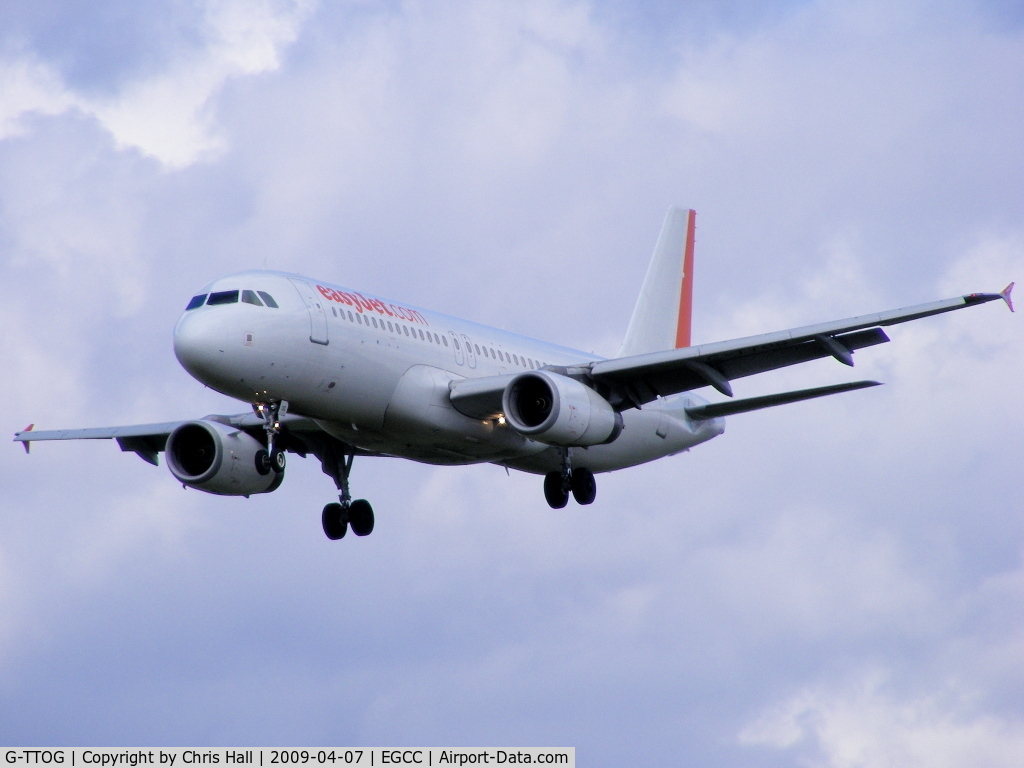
[27,444]
[1005,295]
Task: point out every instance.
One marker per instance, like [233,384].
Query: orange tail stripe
[686,288]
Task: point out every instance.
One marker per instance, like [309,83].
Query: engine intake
[218,458]
[558,410]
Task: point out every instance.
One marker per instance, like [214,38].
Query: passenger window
[197,301]
[421,333]
[374,321]
[516,359]
[405,328]
[390,327]
[456,343]
[249,297]
[477,348]
[223,297]
[332,309]
[268,299]
[530,361]
[444,340]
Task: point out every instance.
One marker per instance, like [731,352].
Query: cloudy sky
[835,583]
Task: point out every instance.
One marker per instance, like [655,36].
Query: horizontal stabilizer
[732,407]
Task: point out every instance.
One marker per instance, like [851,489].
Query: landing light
[501,419]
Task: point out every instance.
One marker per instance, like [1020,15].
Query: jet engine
[558,410]
[218,458]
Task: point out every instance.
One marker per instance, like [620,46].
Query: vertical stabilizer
[661,318]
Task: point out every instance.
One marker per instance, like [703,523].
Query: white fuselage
[376,375]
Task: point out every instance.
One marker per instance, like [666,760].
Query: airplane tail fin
[661,318]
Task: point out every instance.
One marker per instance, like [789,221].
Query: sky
[833,583]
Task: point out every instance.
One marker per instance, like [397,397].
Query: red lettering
[363,304]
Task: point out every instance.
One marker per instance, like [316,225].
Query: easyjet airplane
[337,374]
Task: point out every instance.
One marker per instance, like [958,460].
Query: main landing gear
[579,481]
[338,516]
[272,459]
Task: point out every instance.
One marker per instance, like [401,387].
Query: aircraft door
[457,346]
[317,315]
[470,355]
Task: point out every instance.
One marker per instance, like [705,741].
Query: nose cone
[199,345]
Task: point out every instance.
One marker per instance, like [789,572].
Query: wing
[298,434]
[146,440]
[633,381]
[629,382]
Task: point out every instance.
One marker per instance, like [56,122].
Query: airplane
[338,373]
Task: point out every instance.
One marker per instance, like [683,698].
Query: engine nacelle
[557,410]
[218,458]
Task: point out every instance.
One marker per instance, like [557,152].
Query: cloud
[167,115]
[866,726]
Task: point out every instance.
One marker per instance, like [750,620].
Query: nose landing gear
[579,481]
[272,459]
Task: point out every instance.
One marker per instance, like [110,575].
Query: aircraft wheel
[584,486]
[360,515]
[335,521]
[262,462]
[556,494]
[277,461]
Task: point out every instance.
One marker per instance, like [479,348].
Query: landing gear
[262,462]
[338,516]
[360,516]
[335,521]
[555,491]
[272,459]
[277,461]
[584,486]
[579,481]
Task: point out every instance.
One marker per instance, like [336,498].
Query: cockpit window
[223,297]
[268,298]
[197,301]
[249,297]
